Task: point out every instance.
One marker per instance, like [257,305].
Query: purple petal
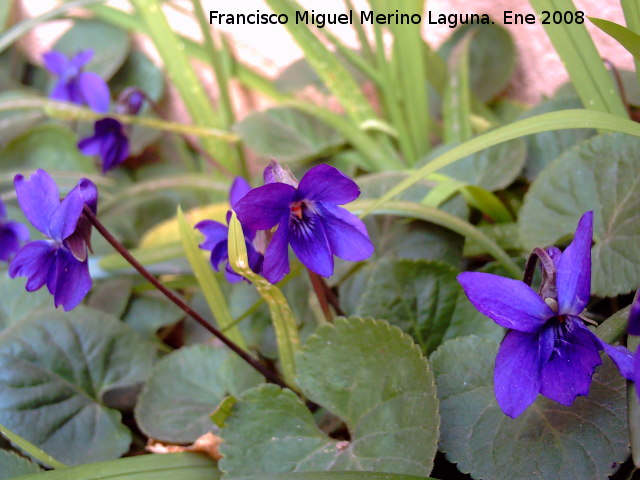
[65,218]
[636,372]
[19,230]
[347,234]
[33,261]
[219,254]
[239,188]
[231,276]
[93,91]
[263,207]
[276,173]
[81,58]
[276,258]
[115,152]
[568,372]
[510,303]
[3,210]
[56,62]
[68,280]
[324,183]
[9,243]
[89,193]
[309,242]
[516,378]
[214,233]
[620,355]
[634,315]
[38,197]
[90,145]
[256,259]
[574,269]
[61,92]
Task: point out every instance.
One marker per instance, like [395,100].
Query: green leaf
[208,284]
[185,387]
[586,440]
[625,37]
[48,146]
[439,217]
[111,296]
[146,314]
[110,45]
[580,57]
[13,465]
[367,373]
[56,367]
[602,174]
[139,71]
[282,317]
[29,448]
[288,135]
[14,123]
[185,466]
[544,147]
[492,57]
[493,168]
[333,476]
[540,123]
[17,302]
[424,299]
[456,109]
[634,408]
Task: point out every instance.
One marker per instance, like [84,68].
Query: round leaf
[17,303]
[186,387]
[601,174]
[48,146]
[288,135]
[366,372]
[55,368]
[548,441]
[424,299]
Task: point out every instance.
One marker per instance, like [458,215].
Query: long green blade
[284,322]
[562,120]
[573,43]
[625,37]
[29,448]
[631,9]
[332,476]
[173,52]
[169,466]
[444,219]
[207,280]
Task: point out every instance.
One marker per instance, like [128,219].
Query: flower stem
[325,295]
[272,376]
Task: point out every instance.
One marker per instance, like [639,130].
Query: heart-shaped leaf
[586,440]
[424,299]
[288,135]
[55,368]
[601,174]
[186,387]
[364,371]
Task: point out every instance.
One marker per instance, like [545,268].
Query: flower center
[297,209]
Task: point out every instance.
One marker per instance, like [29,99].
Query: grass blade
[566,119]
[631,9]
[185,466]
[456,110]
[207,280]
[173,52]
[444,219]
[625,37]
[28,447]
[284,322]
[590,78]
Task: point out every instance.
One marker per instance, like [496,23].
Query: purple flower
[61,260]
[216,234]
[308,217]
[547,349]
[109,141]
[12,235]
[634,315]
[75,85]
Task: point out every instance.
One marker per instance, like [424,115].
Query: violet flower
[216,234]
[308,217]
[547,349]
[634,315]
[74,85]
[109,141]
[12,235]
[61,260]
